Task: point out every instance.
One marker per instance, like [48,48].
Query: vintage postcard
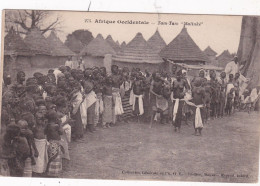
[130,96]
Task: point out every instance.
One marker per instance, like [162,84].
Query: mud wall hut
[39,45]
[93,54]
[59,51]
[17,55]
[182,49]
[138,54]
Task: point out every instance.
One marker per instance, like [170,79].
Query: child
[166,95]
[198,94]
[41,144]
[27,133]
[19,146]
[53,132]
[90,103]
[229,104]
[108,102]
[62,111]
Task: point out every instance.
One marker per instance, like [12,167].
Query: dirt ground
[227,151]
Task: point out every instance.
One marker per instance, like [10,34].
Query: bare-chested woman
[179,86]
[117,81]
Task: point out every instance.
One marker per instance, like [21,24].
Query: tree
[78,39]
[24,20]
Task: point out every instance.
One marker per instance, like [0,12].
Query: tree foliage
[25,20]
[78,39]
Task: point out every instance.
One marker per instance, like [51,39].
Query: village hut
[59,51]
[93,54]
[182,49]
[224,58]
[123,44]
[40,47]
[117,43]
[211,54]
[138,54]
[17,55]
[112,43]
[156,42]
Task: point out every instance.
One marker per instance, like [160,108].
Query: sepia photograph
[130,96]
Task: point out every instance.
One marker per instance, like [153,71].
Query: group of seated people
[43,114]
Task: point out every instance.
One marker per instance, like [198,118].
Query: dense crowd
[42,114]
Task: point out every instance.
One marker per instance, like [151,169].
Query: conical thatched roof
[156,41]
[117,42]
[225,54]
[123,45]
[37,42]
[14,45]
[138,51]
[112,43]
[210,52]
[224,58]
[98,47]
[183,48]
[57,47]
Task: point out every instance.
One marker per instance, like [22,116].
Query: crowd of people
[42,114]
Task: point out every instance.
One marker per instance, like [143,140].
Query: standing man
[233,68]
[69,62]
[81,64]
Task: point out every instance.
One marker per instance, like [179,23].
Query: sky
[218,32]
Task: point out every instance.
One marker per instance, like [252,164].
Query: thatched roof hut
[123,44]
[14,45]
[156,42]
[42,49]
[210,52]
[98,47]
[182,49]
[57,46]
[17,55]
[37,42]
[112,43]
[138,53]
[224,58]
